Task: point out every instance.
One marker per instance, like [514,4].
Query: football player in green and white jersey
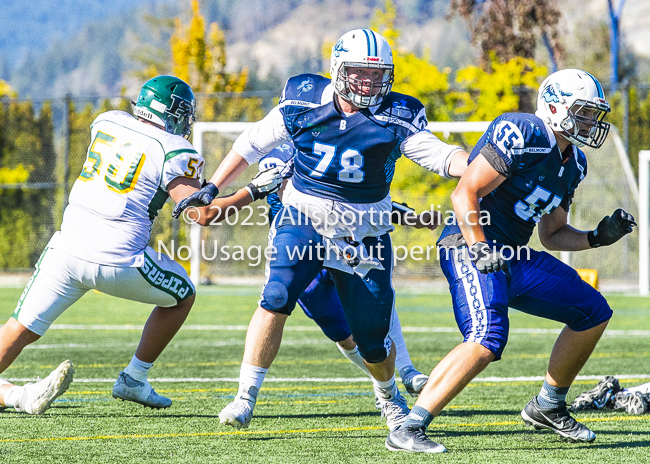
[134,164]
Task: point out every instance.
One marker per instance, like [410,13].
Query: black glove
[611,229]
[399,212]
[487,259]
[199,198]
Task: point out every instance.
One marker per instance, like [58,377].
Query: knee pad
[275,294]
[374,355]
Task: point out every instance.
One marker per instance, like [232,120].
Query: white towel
[352,258]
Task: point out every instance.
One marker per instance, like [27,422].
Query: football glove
[487,259]
[611,229]
[265,183]
[199,198]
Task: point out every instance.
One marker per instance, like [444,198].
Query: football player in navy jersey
[321,303]
[348,132]
[523,172]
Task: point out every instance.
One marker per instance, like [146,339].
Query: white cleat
[237,414]
[395,411]
[415,383]
[126,388]
[38,397]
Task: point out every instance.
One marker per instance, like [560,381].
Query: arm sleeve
[262,137]
[496,161]
[428,151]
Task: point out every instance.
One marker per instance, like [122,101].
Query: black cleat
[411,439]
[600,397]
[558,420]
[633,402]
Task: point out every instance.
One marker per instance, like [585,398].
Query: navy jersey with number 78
[346,158]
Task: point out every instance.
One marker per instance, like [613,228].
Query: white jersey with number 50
[121,188]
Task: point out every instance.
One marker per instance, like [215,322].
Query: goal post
[644,222]
[610,184]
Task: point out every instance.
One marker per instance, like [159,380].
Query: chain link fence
[43,145]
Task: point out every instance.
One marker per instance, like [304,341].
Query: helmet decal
[338,48]
[372,42]
[179,107]
[551,96]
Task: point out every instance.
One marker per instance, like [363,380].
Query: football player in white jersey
[134,164]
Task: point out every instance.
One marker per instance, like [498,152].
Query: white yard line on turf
[315,328]
[338,379]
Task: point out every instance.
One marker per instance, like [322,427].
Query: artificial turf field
[315,407]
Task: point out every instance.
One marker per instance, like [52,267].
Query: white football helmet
[573,103]
[361,48]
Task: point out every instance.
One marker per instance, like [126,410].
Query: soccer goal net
[235,247]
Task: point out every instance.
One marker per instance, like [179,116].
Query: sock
[403,361]
[12,395]
[643,388]
[418,418]
[385,391]
[138,370]
[250,381]
[552,397]
[355,357]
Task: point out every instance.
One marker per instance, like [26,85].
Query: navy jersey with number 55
[345,158]
[538,180]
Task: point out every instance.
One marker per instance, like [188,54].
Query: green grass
[302,422]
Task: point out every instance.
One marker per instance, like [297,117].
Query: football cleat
[556,419]
[126,388]
[412,439]
[414,384]
[237,414]
[38,397]
[633,402]
[597,398]
[395,411]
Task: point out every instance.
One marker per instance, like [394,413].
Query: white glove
[264,183]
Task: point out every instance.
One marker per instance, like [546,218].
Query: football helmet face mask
[573,103]
[362,48]
[167,102]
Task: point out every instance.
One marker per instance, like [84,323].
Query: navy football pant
[542,286]
[367,302]
[321,303]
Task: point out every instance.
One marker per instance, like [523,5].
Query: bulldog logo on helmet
[338,48]
[550,96]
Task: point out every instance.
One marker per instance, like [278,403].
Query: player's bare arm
[557,235]
[229,170]
[478,180]
[182,189]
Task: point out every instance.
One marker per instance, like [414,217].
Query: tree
[511,28]
[199,58]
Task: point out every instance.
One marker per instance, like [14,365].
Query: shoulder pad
[171,142]
[518,133]
[117,116]
[402,110]
[278,157]
[305,87]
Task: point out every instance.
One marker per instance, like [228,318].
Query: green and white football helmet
[167,102]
